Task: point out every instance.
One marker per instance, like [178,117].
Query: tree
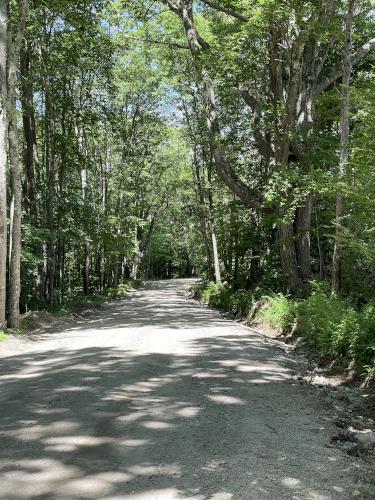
[14,48]
[3,157]
[344,150]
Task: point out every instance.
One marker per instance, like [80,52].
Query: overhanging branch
[226,10]
[337,71]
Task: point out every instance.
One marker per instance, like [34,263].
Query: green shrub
[206,292]
[279,313]
[3,336]
[330,322]
[120,290]
[362,346]
[235,302]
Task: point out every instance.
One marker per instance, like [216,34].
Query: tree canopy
[149,139]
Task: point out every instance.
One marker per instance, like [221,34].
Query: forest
[231,140]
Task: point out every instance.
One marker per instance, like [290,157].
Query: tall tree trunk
[86,267]
[285,230]
[30,148]
[203,217]
[50,172]
[85,185]
[215,251]
[3,158]
[288,255]
[344,151]
[138,255]
[303,243]
[15,173]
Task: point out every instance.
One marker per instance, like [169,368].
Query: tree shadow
[224,422]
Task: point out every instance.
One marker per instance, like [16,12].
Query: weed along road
[156,397]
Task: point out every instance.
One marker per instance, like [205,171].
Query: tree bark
[303,242]
[215,251]
[50,172]
[30,148]
[14,48]
[3,157]
[344,150]
[249,196]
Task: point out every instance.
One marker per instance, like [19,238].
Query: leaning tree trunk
[3,158]
[344,151]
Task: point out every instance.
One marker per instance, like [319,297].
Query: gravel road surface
[158,398]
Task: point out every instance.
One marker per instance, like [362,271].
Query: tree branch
[225,10]
[15,47]
[336,73]
[261,143]
[161,42]
[171,5]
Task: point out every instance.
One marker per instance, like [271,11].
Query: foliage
[329,322]
[278,313]
[121,177]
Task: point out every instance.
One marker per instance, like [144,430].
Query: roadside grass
[3,336]
[339,330]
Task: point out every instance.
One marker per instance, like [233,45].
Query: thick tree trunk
[344,152]
[285,232]
[319,245]
[303,242]
[3,158]
[285,229]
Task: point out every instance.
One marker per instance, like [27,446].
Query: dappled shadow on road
[108,423]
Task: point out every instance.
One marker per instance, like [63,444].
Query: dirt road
[159,398]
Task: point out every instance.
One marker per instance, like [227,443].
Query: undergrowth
[341,331]
[79,301]
[75,303]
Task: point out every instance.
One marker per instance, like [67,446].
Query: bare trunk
[344,152]
[203,217]
[215,251]
[3,158]
[285,231]
[86,267]
[288,256]
[50,171]
[303,243]
[30,148]
[319,244]
[15,174]
[138,254]
[15,214]
[85,186]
